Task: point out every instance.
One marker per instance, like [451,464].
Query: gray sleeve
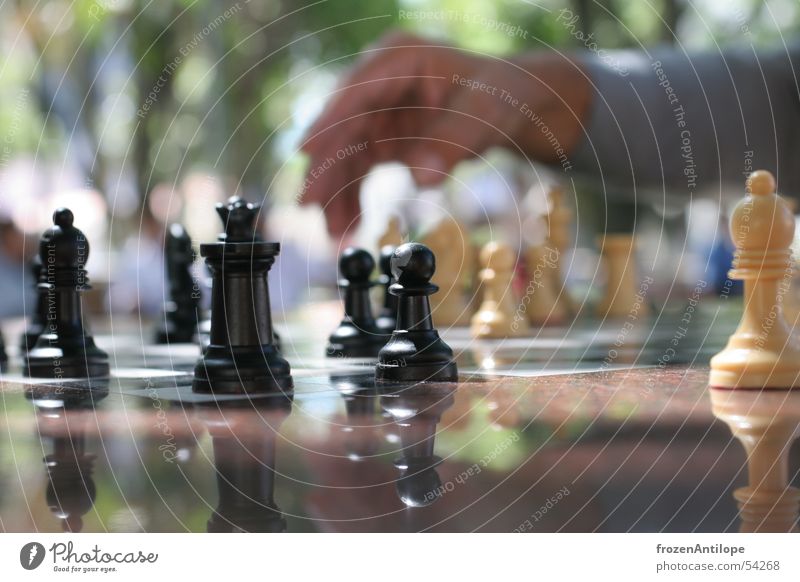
[668,121]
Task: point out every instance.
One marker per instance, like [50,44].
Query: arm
[694,122]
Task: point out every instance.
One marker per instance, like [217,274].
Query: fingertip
[428,168]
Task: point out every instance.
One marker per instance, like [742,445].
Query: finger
[454,136]
[383,79]
[342,213]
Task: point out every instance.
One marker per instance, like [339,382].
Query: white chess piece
[499,315]
[623,296]
[449,241]
[762,352]
[559,220]
[540,297]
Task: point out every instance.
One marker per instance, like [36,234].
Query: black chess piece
[39,316]
[245,464]
[415,352]
[387,318]
[357,335]
[3,355]
[65,349]
[416,411]
[182,310]
[241,356]
[242,223]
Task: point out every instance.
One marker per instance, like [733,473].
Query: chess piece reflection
[766,423]
[417,411]
[762,352]
[362,429]
[244,438]
[62,420]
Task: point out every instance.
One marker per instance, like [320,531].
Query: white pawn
[623,297]
[499,315]
[540,299]
[449,241]
[762,352]
[559,220]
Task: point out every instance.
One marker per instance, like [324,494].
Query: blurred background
[141,113]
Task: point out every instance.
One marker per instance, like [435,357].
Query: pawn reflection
[62,418]
[244,437]
[363,426]
[416,411]
[766,423]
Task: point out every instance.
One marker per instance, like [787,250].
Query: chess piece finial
[766,423]
[65,349]
[762,352]
[357,336]
[499,315]
[239,220]
[415,352]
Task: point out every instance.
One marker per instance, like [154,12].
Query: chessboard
[570,429]
[588,345]
[603,422]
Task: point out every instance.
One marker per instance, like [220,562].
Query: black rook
[241,356]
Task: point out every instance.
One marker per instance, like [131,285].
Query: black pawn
[65,349]
[241,356]
[181,312]
[39,315]
[357,335]
[415,352]
[387,318]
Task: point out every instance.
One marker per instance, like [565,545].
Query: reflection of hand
[431,106]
